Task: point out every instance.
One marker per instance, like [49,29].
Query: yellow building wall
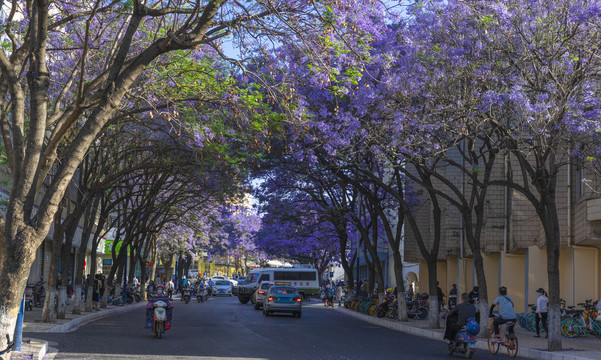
[465,276]
[586,269]
[442,276]
[491,271]
[513,269]
[451,272]
[566,276]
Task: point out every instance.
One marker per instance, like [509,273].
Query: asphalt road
[222,328]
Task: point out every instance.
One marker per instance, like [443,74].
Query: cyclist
[506,312]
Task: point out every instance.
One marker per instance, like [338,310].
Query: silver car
[282,299]
[222,287]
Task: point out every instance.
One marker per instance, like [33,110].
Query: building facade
[513,240]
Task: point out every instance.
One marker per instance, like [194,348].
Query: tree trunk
[402,303]
[48,314]
[398,275]
[16,259]
[154,259]
[552,236]
[483,291]
[79,275]
[66,267]
[433,289]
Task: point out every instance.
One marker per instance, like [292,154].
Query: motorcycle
[159,311]
[186,295]
[39,294]
[465,340]
[416,310]
[201,295]
[159,325]
[384,305]
[328,301]
[29,297]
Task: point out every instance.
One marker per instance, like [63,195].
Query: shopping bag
[490,326]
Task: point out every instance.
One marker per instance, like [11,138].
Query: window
[264,277]
[308,276]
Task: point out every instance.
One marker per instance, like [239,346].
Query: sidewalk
[32,348]
[581,348]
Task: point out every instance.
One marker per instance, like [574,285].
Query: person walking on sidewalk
[96,292]
[339,293]
[541,312]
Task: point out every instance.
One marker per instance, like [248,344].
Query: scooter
[29,297]
[40,292]
[186,295]
[383,307]
[160,323]
[201,295]
[327,301]
[465,340]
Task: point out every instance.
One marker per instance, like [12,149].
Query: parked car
[222,287]
[234,282]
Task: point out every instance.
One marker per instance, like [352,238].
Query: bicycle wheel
[422,313]
[568,329]
[522,318]
[581,326]
[512,345]
[530,322]
[493,346]
[596,328]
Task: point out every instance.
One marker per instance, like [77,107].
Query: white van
[304,279]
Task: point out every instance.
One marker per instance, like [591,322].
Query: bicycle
[510,341]
[527,320]
[9,346]
[579,322]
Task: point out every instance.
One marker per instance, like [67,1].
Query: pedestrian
[96,292]
[506,312]
[339,293]
[541,312]
[169,287]
[364,286]
[135,282]
[410,292]
[475,299]
[439,295]
[453,290]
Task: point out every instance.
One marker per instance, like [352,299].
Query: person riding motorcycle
[458,317]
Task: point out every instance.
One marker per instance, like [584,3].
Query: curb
[35,349]
[482,345]
[76,323]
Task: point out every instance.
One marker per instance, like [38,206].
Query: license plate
[471,346]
